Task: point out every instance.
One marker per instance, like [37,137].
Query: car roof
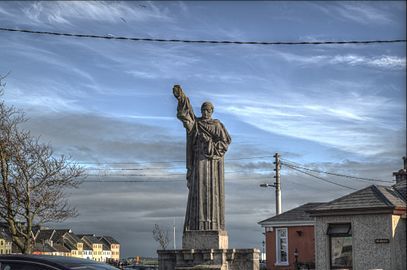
[60,261]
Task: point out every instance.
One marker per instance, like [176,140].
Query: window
[281,246]
[340,241]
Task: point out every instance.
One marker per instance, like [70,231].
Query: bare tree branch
[33,180]
[161,236]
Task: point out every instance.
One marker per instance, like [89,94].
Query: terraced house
[63,242]
[5,242]
[97,246]
[58,242]
[113,245]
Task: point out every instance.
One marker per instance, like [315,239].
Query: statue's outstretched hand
[177,91]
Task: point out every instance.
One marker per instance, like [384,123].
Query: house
[97,246]
[87,252]
[113,245]
[106,253]
[290,238]
[363,230]
[5,242]
[43,249]
[60,242]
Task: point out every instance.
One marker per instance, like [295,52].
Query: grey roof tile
[44,235]
[296,214]
[370,197]
[110,240]
[57,236]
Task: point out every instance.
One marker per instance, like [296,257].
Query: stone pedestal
[205,240]
[213,259]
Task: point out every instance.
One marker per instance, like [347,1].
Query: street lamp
[267,185]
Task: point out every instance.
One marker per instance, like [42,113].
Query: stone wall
[214,259]
[399,243]
[366,253]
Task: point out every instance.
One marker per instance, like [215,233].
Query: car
[44,262]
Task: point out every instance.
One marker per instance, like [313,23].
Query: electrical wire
[334,174]
[164,162]
[132,181]
[320,178]
[155,175]
[111,37]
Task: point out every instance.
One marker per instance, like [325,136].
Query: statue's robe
[207,143]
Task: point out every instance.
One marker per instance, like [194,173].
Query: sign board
[382,241]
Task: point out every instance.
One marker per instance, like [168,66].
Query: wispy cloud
[363,12]
[331,119]
[41,98]
[383,61]
[63,12]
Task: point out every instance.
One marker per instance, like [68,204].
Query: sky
[108,104]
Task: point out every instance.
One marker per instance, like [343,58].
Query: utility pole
[276,184]
[175,246]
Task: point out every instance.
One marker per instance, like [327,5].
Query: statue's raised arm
[184,108]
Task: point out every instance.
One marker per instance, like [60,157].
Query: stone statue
[207,143]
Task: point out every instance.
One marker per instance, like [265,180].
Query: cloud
[382,62]
[361,12]
[129,210]
[329,119]
[87,137]
[63,12]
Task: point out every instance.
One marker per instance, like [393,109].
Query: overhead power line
[132,181]
[164,162]
[290,163]
[320,178]
[111,37]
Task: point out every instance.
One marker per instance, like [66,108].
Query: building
[290,239]
[97,246]
[87,252]
[63,242]
[58,242]
[5,242]
[113,245]
[106,253]
[363,230]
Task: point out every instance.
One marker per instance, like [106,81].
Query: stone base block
[205,240]
[209,259]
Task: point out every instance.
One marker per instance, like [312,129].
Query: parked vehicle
[42,262]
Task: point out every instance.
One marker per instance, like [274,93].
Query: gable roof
[43,235]
[43,247]
[373,197]
[90,239]
[298,215]
[86,246]
[58,234]
[108,239]
[61,248]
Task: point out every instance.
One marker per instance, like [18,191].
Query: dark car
[42,262]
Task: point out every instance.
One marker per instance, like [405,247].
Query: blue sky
[339,108]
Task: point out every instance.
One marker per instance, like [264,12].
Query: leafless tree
[33,181]
[161,236]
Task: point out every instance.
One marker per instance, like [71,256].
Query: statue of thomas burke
[207,143]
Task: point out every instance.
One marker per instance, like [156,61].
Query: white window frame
[278,251]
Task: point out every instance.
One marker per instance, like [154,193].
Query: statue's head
[207,110]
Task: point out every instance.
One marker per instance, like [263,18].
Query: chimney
[401,175]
